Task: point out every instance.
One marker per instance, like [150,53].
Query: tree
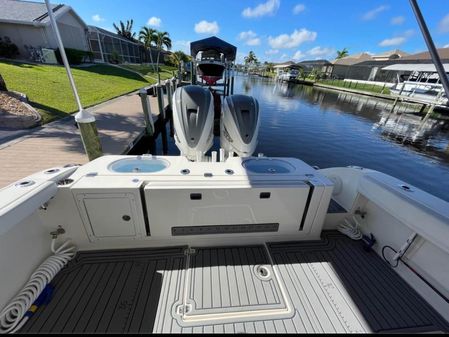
[179,56]
[162,40]
[126,31]
[342,53]
[251,59]
[148,37]
[2,84]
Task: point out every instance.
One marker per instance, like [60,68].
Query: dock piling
[146,107]
[169,93]
[160,101]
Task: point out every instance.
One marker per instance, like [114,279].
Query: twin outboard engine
[239,125]
[193,120]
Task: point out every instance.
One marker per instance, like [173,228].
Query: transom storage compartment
[225,207]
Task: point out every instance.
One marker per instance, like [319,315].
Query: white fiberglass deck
[331,285]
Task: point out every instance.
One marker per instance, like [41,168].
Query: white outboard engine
[239,125]
[193,120]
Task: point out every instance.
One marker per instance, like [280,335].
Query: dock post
[394,104]
[192,75]
[146,107]
[169,93]
[160,101]
[181,66]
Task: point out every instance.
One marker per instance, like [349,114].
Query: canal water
[327,129]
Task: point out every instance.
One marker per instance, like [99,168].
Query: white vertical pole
[85,120]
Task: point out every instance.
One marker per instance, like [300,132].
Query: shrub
[115,57]
[7,48]
[75,56]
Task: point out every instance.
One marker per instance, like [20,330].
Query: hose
[352,230]
[17,313]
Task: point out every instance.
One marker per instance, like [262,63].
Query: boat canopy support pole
[431,46]
[85,120]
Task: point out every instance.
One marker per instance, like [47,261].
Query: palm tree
[342,53]
[179,56]
[162,40]
[251,58]
[148,37]
[126,31]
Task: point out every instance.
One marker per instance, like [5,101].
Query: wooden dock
[120,122]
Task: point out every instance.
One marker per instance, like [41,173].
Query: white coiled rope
[350,229]
[12,316]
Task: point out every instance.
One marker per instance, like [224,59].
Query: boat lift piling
[146,107]
[160,101]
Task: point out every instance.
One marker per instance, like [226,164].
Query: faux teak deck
[332,285]
[119,122]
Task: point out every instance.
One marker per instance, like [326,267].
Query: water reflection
[330,129]
[403,125]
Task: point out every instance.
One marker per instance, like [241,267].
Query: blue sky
[280,30]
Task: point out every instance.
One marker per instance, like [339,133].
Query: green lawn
[356,86]
[147,71]
[48,89]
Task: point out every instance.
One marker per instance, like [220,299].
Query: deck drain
[25,183]
[406,188]
[51,171]
[263,273]
[185,171]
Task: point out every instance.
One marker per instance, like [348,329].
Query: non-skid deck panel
[230,280]
[108,291]
[335,278]
[332,285]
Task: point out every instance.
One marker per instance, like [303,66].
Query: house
[342,67]
[322,66]
[390,55]
[27,24]
[367,67]
[104,44]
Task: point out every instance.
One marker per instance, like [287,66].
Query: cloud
[298,55]
[284,56]
[397,20]
[397,40]
[268,8]
[205,27]
[446,46]
[321,52]
[372,14]
[250,38]
[272,52]
[298,9]
[285,41]
[97,18]
[154,21]
[443,26]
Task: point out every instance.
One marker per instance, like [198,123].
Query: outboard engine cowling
[239,125]
[193,120]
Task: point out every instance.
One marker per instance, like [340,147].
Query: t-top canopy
[214,43]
